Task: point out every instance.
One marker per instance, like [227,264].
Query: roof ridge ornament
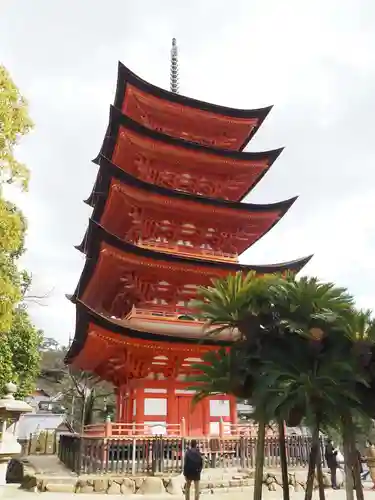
[174,80]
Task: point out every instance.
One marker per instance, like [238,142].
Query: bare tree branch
[37,298]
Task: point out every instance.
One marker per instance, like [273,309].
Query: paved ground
[49,465]
[12,492]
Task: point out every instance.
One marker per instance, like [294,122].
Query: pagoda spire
[174,67]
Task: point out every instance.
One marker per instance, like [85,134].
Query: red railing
[161,312]
[202,253]
[119,429]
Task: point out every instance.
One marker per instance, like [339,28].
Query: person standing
[330,455]
[193,465]
[370,458]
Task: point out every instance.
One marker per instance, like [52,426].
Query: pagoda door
[193,415]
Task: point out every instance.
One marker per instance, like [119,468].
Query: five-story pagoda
[167,217]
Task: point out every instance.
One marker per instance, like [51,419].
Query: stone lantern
[10,411]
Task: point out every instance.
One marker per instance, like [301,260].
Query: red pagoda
[167,217]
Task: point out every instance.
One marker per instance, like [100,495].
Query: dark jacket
[330,456]
[193,464]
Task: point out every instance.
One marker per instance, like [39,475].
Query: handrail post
[134,450]
[108,427]
[183,427]
[221,428]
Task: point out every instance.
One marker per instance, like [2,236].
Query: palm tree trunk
[322,495]
[350,434]
[347,458]
[357,478]
[283,460]
[259,460]
[357,475]
[312,463]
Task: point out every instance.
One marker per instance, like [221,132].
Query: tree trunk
[347,458]
[259,460]
[350,432]
[312,463]
[72,412]
[322,495]
[83,415]
[283,460]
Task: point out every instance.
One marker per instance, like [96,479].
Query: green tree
[24,341]
[20,340]
[85,397]
[14,123]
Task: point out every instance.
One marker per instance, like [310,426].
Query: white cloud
[314,60]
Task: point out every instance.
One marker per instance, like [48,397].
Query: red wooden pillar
[233,414]
[172,409]
[140,410]
[118,404]
[125,404]
[129,415]
[121,404]
[206,416]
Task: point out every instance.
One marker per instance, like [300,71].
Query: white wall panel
[155,406]
[219,408]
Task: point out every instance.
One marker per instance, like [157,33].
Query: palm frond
[231,299]
[360,326]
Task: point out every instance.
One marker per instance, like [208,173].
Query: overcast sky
[313,59]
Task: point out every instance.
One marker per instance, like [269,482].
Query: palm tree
[213,375]
[360,330]
[241,304]
[320,387]
[216,376]
[270,314]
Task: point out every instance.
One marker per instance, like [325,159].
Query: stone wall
[213,481]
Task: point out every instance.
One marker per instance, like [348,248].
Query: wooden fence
[160,454]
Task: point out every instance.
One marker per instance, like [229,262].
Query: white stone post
[10,409]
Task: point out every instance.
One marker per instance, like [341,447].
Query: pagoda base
[165,407]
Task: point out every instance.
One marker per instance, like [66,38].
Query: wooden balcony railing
[119,429]
[187,251]
[162,312]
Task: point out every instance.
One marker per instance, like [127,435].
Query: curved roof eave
[125,75]
[117,118]
[86,315]
[109,170]
[97,235]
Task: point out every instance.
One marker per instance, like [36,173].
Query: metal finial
[174,67]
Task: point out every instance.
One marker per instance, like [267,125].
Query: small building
[36,397]
[31,424]
[40,432]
